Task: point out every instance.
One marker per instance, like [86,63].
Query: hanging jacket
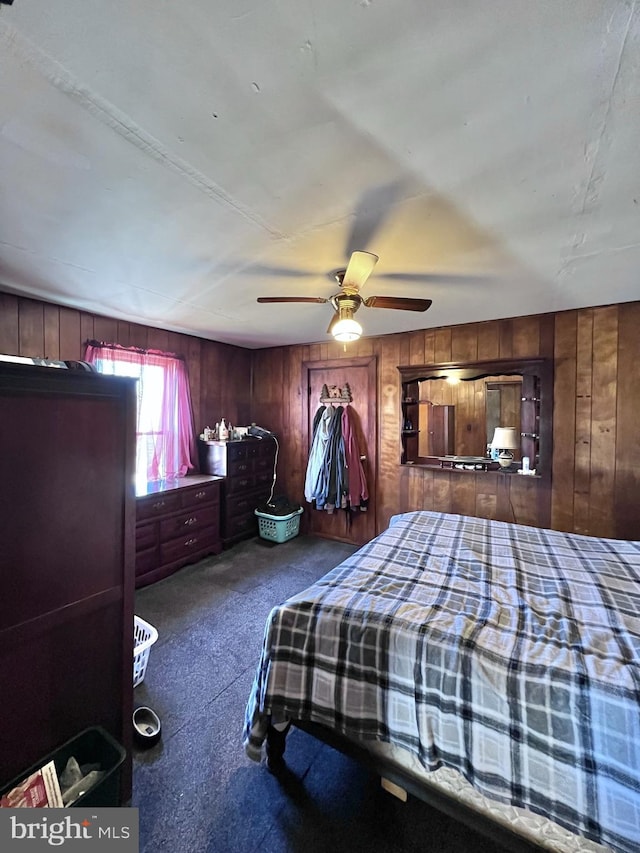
[356,480]
[331,480]
[322,422]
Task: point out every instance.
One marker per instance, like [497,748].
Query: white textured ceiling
[169,162]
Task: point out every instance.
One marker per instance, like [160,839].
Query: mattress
[535,828]
[506,653]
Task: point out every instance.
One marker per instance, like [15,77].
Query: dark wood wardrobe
[67,511]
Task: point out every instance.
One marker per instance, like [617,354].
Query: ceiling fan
[348,300]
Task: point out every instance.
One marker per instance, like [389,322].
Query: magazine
[39,790]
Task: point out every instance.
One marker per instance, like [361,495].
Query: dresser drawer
[191,543]
[244,524]
[156,505]
[263,463]
[237,450]
[207,493]
[263,479]
[186,522]
[239,468]
[146,535]
[240,504]
[237,485]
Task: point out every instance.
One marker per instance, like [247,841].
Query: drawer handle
[242,504]
[200,495]
[190,542]
[158,505]
[242,482]
[190,521]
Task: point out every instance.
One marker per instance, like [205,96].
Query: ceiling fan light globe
[347,329]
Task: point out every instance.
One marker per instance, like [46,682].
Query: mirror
[459,418]
[450,412]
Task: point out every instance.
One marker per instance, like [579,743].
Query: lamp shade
[505,438]
[346,329]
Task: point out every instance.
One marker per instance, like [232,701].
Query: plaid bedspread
[509,653]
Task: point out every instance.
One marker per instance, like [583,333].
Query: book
[39,790]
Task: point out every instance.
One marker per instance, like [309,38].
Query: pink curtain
[166,436]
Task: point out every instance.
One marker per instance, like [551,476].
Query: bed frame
[432,796]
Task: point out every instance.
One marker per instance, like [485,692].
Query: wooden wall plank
[158,339]
[427,490]
[564,420]
[71,344]
[192,355]
[442,345]
[488,341]
[627,474]
[416,348]
[463,493]
[429,347]
[486,497]
[403,351]
[526,337]
[388,429]
[584,380]
[523,493]
[51,331]
[505,333]
[9,332]
[603,421]
[105,329]
[87,332]
[464,343]
[138,335]
[31,328]
[123,333]
[442,491]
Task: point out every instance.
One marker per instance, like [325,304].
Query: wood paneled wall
[595,485]
[219,375]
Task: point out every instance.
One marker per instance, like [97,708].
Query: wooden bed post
[275,747]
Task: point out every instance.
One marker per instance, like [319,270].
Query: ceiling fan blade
[433,277]
[398,302]
[275,272]
[334,320]
[359,269]
[291,299]
[372,211]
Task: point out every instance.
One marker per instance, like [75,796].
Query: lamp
[506,440]
[346,328]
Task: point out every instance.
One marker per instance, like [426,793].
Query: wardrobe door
[66,563]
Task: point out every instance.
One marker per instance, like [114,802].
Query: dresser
[248,470]
[177,522]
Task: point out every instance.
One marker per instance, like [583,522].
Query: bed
[497,662]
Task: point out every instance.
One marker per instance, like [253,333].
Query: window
[165,433]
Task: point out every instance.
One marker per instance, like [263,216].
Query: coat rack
[331,394]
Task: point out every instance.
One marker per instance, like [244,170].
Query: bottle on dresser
[223,431]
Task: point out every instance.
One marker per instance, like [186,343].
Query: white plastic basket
[144,636]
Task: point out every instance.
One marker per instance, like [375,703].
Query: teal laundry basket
[279,528]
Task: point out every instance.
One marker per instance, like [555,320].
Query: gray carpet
[196,790]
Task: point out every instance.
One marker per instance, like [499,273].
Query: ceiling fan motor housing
[347,304]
